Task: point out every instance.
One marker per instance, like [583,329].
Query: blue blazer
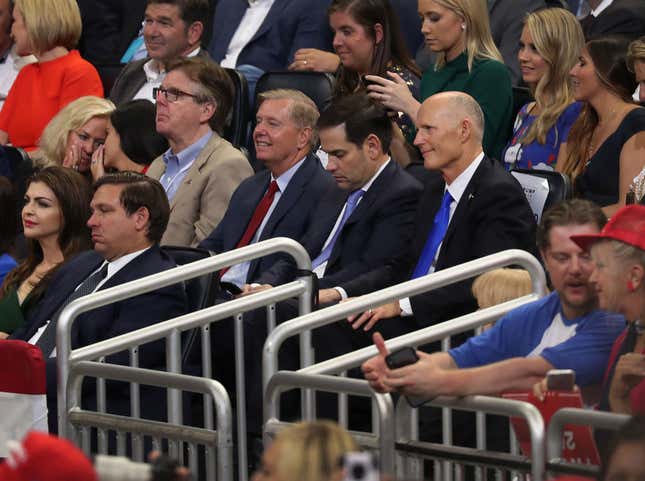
[288,26]
[378,230]
[292,216]
[109,321]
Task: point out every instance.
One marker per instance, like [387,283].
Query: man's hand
[252,289]
[630,371]
[375,370]
[327,296]
[314,60]
[424,378]
[372,316]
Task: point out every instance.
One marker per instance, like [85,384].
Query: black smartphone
[402,357]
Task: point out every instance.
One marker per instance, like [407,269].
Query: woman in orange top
[48,29]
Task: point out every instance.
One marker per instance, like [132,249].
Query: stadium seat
[555,185]
[237,123]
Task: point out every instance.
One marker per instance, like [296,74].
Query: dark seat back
[19,168]
[317,86]
[558,187]
[108,74]
[200,291]
[237,123]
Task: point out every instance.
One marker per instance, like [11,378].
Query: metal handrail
[490,405]
[302,288]
[417,286]
[383,402]
[174,381]
[578,416]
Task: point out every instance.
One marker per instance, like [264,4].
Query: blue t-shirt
[540,329]
[536,155]
[6,264]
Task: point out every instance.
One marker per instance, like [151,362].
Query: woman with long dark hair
[57,206]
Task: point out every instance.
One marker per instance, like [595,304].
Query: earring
[630,286]
[463,26]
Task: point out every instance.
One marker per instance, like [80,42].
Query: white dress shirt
[155,74]
[456,188]
[248,27]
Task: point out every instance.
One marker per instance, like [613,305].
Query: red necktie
[260,211]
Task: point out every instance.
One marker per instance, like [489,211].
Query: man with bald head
[471,207]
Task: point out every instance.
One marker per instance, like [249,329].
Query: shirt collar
[458,186]
[190,153]
[155,73]
[118,264]
[284,179]
[601,7]
[369,183]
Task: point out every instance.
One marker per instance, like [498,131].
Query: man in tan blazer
[201,170]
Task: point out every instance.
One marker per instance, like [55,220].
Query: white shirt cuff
[406,307]
[341,291]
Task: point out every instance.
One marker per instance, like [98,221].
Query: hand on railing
[375,369]
[248,289]
[370,317]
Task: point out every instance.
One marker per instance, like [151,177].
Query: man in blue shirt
[563,330]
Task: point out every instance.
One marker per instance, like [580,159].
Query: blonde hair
[302,110]
[558,39]
[501,285]
[73,116]
[51,23]
[479,40]
[312,450]
[636,52]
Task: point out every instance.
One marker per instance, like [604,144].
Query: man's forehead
[163,10]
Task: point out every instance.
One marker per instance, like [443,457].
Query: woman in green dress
[54,216]
[458,31]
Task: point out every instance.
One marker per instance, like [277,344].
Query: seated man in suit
[471,207]
[278,201]
[564,330]
[171,29]
[257,37]
[201,170]
[129,215]
[614,17]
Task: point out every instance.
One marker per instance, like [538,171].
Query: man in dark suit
[130,213]
[471,207]
[614,17]
[254,40]
[284,136]
[171,29]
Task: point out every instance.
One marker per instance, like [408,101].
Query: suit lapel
[272,17]
[229,15]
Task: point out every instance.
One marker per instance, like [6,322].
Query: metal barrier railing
[410,288]
[219,441]
[441,331]
[407,436]
[582,417]
[383,431]
[171,329]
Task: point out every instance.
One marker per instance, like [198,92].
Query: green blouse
[489,82]
[12,313]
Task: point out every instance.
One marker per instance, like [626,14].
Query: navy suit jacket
[288,26]
[111,320]
[622,17]
[291,217]
[377,231]
[492,215]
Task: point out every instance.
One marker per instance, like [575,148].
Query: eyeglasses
[172,94]
[84,137]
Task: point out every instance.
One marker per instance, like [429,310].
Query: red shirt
[637,395]
[40,91]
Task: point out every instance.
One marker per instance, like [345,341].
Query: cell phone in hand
[560,379]
[404,357]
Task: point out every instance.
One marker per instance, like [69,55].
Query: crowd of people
[406,172]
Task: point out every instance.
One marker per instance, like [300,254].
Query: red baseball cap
[42,457]
[627,225]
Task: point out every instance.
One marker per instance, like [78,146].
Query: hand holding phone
[560,380]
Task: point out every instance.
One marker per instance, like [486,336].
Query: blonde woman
[306,451]
[48,29]
[467,61]
[636,63]
[549,47]
[606,146]
[74,134]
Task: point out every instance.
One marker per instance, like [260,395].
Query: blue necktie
[437,232]
[350,205]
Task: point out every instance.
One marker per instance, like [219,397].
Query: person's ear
[209,109]
[636,276]
[194,33]
[465,130]
[141,218]
[372,146]
[304,137]
[378,33]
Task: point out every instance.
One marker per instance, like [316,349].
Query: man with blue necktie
[471,207]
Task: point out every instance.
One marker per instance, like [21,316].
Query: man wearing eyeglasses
[201,170]
[171,29]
